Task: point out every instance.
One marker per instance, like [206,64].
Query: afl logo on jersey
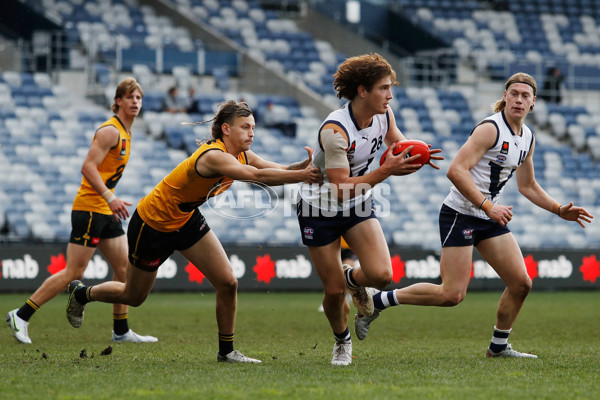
[501,158]
[504,148]
[308,232]
[352,147]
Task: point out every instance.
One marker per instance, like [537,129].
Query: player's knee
[229,285]
[137,299]
[336,294]
[522,288]
[453,298]
[382,278]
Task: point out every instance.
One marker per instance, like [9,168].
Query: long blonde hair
[519,77]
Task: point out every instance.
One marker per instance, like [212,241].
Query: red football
[420,148]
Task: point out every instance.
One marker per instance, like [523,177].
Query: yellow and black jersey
[171,203]
[110,169]
[344,244]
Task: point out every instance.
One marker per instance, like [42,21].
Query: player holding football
[96,217]
[346,146]
[472,216]
[168,219]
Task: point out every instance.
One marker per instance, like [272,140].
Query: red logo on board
[532,267]
[57,263]
[194,274]
[398,269]
[590,268]
[264,269]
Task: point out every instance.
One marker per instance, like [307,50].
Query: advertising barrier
[258,268]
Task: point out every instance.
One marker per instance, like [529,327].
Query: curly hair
[126,86]
[363,70]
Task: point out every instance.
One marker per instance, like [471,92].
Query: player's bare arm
[482,139]
[532,190]
[529,188]
[106,138]
[256,161]
[217,163]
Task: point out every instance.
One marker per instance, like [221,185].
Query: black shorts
[458,229]
[347,253]
[149,248]
[320,230]
[88,228]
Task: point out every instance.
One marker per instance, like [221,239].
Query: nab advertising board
[290,268]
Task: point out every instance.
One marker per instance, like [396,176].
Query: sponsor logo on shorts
[95,240]
[150,263]
[308,232]
[468,233]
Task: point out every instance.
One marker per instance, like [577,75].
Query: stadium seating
[45,131]
[529,37]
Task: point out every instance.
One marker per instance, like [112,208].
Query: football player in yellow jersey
[168,219]
[96,217]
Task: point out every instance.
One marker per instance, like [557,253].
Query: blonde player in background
[472,216]
[96,217]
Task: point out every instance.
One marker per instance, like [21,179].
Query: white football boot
[132,337]
[18,326]
[342,354]
[509,353]
[236,357]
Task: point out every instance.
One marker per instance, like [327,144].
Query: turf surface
[411,352]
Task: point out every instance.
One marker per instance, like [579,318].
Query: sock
[383,300]
[343,337]
[225,344]
[499,340]
[120,325]
[27,310]
[350,282]
[82,294]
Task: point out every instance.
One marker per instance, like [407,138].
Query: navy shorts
[88,228]
[458,229]
[320,230]
[149,248]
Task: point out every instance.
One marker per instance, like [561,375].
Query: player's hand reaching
[573,213]
[119,208]
[311,173]
[432,157]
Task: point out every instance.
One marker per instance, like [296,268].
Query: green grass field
[411,352]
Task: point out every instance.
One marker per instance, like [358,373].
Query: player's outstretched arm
[574,213]
[221,163]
